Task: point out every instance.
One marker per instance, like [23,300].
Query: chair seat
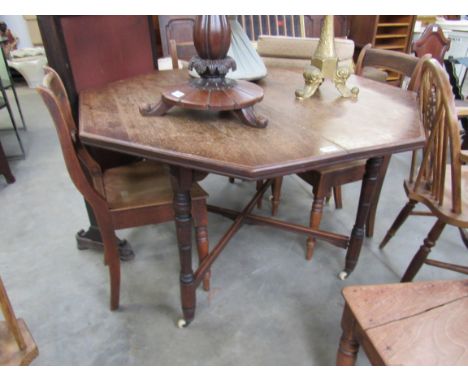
[141,184]
[445,211]
[421,323]
[338,174]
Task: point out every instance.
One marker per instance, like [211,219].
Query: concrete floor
[268,306]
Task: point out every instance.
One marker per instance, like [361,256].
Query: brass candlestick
[324,65]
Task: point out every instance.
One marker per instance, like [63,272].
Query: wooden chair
[4,167]
[420,323]
[91,51]
[441,183]
[433,42]
[324,179]
[17,346]
[132,195]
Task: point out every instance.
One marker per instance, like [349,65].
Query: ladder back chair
[131,195]
[441,182]
[332,177]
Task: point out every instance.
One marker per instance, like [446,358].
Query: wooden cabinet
[384,32]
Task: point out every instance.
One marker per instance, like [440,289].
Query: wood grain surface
[301,135]
[423,323]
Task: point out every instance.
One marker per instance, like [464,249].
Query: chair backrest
[77,159]
[402,63]
[432,41]
[290,25]
[177,36]
[439,118]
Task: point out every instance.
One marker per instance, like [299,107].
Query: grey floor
[268,305]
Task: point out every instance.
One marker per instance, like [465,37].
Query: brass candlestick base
[324,65]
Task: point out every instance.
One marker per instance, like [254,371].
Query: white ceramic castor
[343,275]
[181,323]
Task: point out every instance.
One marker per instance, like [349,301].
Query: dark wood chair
[17,346]
[132,195]
[414,324]
[441,181]
[4,166]
[90,51]
[332,177]
[433,42]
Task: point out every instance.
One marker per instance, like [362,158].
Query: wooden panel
[103,49]
[373,305]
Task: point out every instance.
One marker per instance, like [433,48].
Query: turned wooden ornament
[212,91]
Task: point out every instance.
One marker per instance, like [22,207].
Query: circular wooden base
[216,95]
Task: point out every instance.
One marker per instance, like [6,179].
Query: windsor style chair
[441,183]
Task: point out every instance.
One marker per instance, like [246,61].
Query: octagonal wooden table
[300,136]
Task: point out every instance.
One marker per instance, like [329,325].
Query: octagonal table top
[300,135]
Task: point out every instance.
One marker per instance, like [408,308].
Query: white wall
[17,24]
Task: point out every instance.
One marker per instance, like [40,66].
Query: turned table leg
[369,183]
[349,346]
[182,180]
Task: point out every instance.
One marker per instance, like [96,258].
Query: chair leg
[424,250]
[402,216]
[276,194]
[200,216]
[464,236]
[4,167]
[315,217]
[378,188]
[337,197]
[111,254]
[349,347]
[259,186]
[15,128]
[18,105]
